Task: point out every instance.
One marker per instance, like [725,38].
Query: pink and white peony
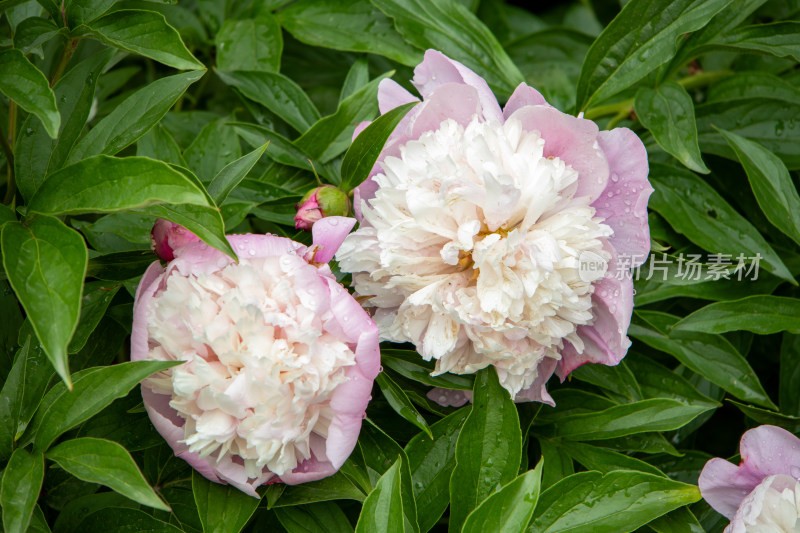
[492,236]
[762,494]
[279,358]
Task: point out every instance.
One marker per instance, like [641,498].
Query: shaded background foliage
[116,112]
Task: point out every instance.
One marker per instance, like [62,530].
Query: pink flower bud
[167,237]
[324,201]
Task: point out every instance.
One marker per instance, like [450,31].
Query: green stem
[695,81]
[8,147]
[66,55]
[703,79]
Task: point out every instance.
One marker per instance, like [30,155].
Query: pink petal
[349,400]
[724,486]
[449,101]
[605,341]
[765,451]
[752,505]
[391,94]
[360,127]
[770,450]
[624,201]
[312,469]
[523,95]
[329,233]
[571,139]
[147,287]
[437,69]
[537,392]
[167,422]
[167,237]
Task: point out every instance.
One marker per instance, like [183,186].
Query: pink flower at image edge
[769,455]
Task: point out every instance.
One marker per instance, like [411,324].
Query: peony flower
[492,236]
[324,201]
[762,494]
[166,237]
[279,358]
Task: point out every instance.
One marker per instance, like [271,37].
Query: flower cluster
[476,219]
[476,226]
[279,358]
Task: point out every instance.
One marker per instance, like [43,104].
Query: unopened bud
[166,237]
[324,201]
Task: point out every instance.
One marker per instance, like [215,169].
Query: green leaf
[398,400]
[658,381]
[32,32]
[38,522]
[753,85]
[618,502]
[133,117]
[656,414]
[36,155]
[348,25]
[711,356]
[696,210]
[431,461]
[550,60]
[605,460]
[106,184]
[222,508]
[281,150]
[81,11]
[760,314]
[107,463]
[22,391]
[408,364]
[558,464]
[22,481]
[25,84]
[229,177]
[643,36]
[448,26]
[380,451]
[668,112]
[46,263]
[680,520]
[250,44]
[97,295]
[322,517]
[382,511]
[94,389]
[618,379]
[762,416]
[771,184]
[332,135]
[769,121]
[357,77]
[277,93]
[789,375]
[216,146]
[335,487]
[367,147]
[489,448]
[158,143]
[510,508]
[144,32]
[124,520]
[779,39]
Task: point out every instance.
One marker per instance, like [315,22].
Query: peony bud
[166,237]
[324,201]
